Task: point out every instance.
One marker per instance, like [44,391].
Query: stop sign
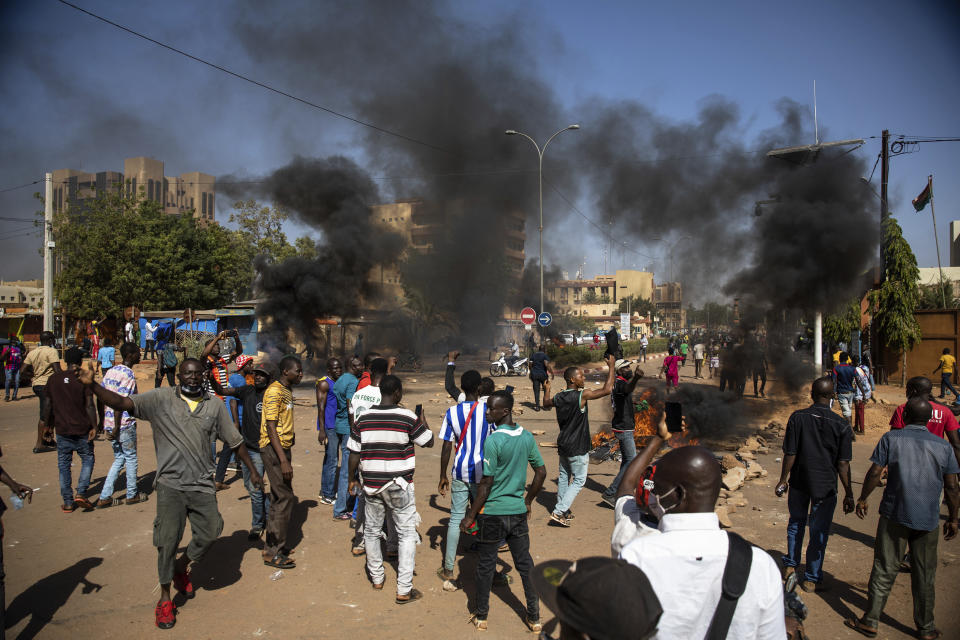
[528,315]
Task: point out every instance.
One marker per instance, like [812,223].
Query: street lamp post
[540,150]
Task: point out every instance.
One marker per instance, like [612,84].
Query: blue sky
[78,93]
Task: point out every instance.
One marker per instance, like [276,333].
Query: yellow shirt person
[277,405]
[948,363]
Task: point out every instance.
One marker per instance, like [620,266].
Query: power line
[599,227]
[258,83]
[22,186]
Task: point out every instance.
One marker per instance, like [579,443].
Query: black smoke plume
[334,196]
[660,185]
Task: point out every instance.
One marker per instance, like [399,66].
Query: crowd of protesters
[674,572]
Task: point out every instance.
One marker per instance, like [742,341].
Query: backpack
[169,358]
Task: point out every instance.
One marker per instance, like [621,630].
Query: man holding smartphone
[623,422]
[381,449]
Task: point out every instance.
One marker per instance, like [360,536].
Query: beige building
[600,296]
[21,293]
[181,194]
[420,225]
[668,299]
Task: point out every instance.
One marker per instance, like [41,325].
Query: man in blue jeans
[622,423]
[817,448]
[250,397]
[343,389]
[70,403]
[844,382]
[326,430]
[463,432]
[573,443]
[121,429]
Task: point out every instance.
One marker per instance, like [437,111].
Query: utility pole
[875,351]
[48,252]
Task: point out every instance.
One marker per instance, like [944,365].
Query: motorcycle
[499,367]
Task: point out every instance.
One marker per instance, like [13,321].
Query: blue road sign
[544,319]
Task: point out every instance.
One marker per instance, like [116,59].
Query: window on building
[149,189]
[210,205]
[203,204]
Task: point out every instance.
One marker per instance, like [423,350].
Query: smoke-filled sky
[676,106]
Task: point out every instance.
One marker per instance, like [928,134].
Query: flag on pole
[921,200]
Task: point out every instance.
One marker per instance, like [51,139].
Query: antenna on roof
[816,129]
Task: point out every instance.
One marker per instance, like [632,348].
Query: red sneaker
[166,614]
[181,582]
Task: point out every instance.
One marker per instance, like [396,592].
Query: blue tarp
[205,326]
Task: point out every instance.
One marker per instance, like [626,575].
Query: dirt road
[93,574]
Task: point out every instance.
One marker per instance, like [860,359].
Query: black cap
[605,598]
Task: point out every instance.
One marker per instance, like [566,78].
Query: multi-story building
[668,299]
[21,294]
[600,296]
[421,225]
[189,192]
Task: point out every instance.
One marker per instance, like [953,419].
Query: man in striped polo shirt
[381,448]
[463,432]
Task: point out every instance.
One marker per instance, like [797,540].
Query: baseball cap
[242,360]
[265,366]
[604,598]
[621,363]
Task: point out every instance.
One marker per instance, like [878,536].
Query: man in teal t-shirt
[505,510]
[343,389]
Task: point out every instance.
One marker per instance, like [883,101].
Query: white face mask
[654,504]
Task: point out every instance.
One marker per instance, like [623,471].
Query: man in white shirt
[149,334]
[643,346]
[685,557]
[699,351]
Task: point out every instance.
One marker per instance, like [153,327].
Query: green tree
[712,314]
[894,303]
[934,296]
[837,327]
[118,251]
[262,227]
[306,248]
[590,297]
[643,306]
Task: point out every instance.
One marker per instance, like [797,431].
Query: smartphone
[509,388]
[674,412]
[419,409]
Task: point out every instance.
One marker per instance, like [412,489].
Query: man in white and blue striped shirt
[463,432]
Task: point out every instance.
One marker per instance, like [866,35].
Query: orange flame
[645,423]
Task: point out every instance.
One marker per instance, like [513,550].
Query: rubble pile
[739,465]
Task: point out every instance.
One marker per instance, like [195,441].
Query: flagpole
[933,215]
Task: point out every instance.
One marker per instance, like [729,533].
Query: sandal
[83,503]
[68,508]
[406,598]
[280,561]
[936,633]
[856,625]
[378,586]
[140,497]
[103,504]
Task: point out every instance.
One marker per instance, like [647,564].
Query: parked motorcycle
[520,367]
